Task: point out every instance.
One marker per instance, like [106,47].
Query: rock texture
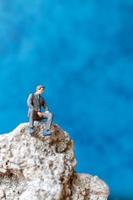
[42,168]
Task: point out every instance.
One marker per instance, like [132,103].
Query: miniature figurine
[35,103]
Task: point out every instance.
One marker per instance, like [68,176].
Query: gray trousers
[33,116]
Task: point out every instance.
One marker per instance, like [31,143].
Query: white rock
[42,168]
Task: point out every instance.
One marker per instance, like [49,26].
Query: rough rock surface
[42,168]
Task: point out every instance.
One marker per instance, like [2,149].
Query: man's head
[40,89]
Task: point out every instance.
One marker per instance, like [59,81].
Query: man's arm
[29,101]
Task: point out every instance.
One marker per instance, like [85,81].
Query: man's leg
[49,118]
[31,121]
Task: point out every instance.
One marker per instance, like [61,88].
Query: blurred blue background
[82,51]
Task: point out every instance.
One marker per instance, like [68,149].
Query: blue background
[82,51]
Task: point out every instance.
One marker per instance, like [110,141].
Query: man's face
[41,90]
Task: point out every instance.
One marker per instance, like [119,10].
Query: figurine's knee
[50,115]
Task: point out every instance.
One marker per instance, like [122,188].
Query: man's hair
[38,87]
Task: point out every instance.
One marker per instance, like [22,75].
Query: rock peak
[42,168]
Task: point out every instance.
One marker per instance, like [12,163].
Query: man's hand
[40,114]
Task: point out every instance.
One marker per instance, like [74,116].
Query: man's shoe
[47,132]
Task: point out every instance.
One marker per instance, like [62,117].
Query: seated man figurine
[35,103]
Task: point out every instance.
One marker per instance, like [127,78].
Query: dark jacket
[35,103]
